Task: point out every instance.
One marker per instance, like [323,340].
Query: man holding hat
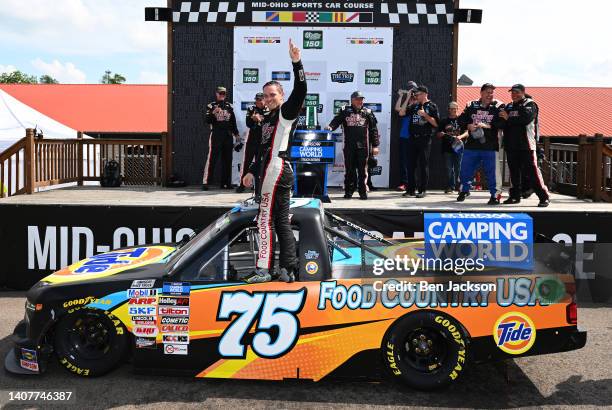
[360,131]
[220,115]
[519,122]
[254,117]
[481,147]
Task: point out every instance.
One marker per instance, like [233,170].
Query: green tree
[47,79]
[17,77]
[110,78]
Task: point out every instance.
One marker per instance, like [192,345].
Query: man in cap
[405,98]
[424,119]
[360,132]
[519,122]
[254,117]
[481,146]
[449,132]
[220,115]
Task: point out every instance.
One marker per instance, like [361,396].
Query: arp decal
[143,301]
[276,310]
[514,333]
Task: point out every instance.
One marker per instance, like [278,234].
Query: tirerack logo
[171,320]
[342,77]
[514,333]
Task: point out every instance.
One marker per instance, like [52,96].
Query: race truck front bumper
[25,357]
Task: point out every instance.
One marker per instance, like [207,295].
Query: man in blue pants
[481,118]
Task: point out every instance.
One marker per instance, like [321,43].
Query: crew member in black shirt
[449,131]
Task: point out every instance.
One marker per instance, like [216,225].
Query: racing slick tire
[90,342]
[425,350]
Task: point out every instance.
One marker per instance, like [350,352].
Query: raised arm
[291,108]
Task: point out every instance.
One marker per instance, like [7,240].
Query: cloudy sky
[537,42]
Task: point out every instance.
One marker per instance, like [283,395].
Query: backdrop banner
[39,239]
[337,61]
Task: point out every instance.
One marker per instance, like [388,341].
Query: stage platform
[378,200]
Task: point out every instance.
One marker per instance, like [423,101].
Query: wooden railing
[560,167]
[594,176]
[33,163]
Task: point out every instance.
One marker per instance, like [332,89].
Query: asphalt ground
[578,378]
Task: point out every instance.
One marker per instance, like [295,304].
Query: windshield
[185,248]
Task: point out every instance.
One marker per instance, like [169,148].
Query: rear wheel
[425,350]
[90,342]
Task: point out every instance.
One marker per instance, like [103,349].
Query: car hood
[111,263]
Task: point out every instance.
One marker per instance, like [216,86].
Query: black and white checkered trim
[417,13]
[208,12]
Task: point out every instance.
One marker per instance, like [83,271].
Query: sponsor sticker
[514,333]
[312,76]
[312,268]
[141,310]
[376,107]
[173,320]
[181,339]
[145,342]
[175,349]
[176,288]
[342,77]
[29,365]
[153,318]
[338,104]
[173,311]
[136,293]
[373,77]
[310,255]
[173,301]
[174,328]
[28,354]
[281,75]
[250,75]
[143,284]
[145,331]
[143,301]
[313,39]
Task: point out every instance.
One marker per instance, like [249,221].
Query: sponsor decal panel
[313,39]
[174,328]
[338,104]
[250,75]
[281,75]
[310,255]
[145,342]
[175,349]
[373,77]
[365,40]
[28,354]
[514,333]
[312,268]
[176,338]
[176,288]
[29,365]
[145,331]
[143,301]
[141,310]
[173,311]
[245,105]
[342,77]
[143,284]
[262,40]
[173,301]
[144,318]
[312,76]
[375,107]
[174,320]
[137,293]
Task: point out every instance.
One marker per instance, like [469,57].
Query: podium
[312,152]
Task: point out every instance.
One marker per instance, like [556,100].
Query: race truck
[184,308]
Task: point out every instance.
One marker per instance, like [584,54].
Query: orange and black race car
[183,308]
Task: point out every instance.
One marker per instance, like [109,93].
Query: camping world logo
[313,40]
[342,77]
[281,76]
[514,333]
[250,75]
[373,77]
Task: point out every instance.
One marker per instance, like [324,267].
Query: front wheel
[425,350]
[90,342]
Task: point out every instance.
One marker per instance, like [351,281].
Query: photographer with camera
[449,131]
[423,117]
[481,147]
[254,117]
[405,98]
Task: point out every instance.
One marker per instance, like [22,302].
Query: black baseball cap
[422,89]
[412,85]
[221,89]
[517,87]
[357,94]
[487,85]
[259,96]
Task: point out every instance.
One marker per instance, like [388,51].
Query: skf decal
[514,333]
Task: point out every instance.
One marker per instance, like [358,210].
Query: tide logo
[514,333]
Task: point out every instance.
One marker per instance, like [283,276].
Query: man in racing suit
[276,175]
[220,115]
[359,125]
[254,117]
[481,146]
[519,121]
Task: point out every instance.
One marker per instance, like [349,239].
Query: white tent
[16,116]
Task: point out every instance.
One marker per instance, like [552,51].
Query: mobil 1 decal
[267,310]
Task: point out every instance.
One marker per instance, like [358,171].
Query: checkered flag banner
[417,13]
[208,12]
